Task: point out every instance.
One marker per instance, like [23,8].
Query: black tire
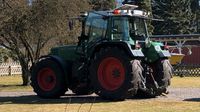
[48,79]
[123,81]
[163,74]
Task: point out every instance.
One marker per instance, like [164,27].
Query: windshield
[120,28]
[137,29]
[96,27]
[125,27]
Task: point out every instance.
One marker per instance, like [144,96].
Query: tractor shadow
[10,86]
[67,99]
[192,99]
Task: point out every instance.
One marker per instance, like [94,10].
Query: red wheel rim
[46,79]
[111,73]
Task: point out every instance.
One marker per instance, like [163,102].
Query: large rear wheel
[112,75]
[48,79]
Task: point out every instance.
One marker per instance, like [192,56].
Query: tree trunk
[26,75]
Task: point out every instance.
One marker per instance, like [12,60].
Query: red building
[194,58]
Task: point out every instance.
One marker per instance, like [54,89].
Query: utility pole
[2,2]
[198,16]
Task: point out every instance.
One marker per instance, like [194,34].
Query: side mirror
[189,50]
[71,24]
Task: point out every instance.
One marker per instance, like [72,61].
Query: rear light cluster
[137,46]
[166,47]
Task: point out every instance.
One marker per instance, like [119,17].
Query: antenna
[131,2]
[126,7]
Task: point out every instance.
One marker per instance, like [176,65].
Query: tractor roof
[122,13]
[125,10]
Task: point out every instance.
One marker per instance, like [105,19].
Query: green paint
[110,28]
[65,52]
[152,53]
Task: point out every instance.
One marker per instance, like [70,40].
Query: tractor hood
[67,52]
[154,52]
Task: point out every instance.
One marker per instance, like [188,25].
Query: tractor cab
[118,25]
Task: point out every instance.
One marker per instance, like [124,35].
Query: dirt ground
[177,94]
[183,94]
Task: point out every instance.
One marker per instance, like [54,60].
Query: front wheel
[48,79]
[163,73]
[158,78]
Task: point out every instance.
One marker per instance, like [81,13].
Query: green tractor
[114,58]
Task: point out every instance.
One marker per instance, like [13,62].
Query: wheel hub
[116,73]
[111,73]
[49,79]
[46,79]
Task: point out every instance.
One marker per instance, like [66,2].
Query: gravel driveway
[183,94]
[177,94]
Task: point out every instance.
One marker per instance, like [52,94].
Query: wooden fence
[184,70]
[8,69]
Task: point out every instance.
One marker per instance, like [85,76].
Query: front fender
[65,66]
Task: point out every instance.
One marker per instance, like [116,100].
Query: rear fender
[164,54]
[123,45]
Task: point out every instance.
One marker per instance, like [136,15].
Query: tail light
[166,47]
[137,46]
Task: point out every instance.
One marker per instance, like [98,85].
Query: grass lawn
[185,82]
[13,83]
[91,103]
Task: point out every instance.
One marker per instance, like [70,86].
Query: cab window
[120,28]
[96,27]
[137,28]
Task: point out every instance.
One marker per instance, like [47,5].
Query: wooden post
[9,71]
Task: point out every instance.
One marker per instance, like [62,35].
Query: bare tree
[26,30]
[15,35]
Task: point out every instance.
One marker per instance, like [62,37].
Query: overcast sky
[29,2]
[119,2]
